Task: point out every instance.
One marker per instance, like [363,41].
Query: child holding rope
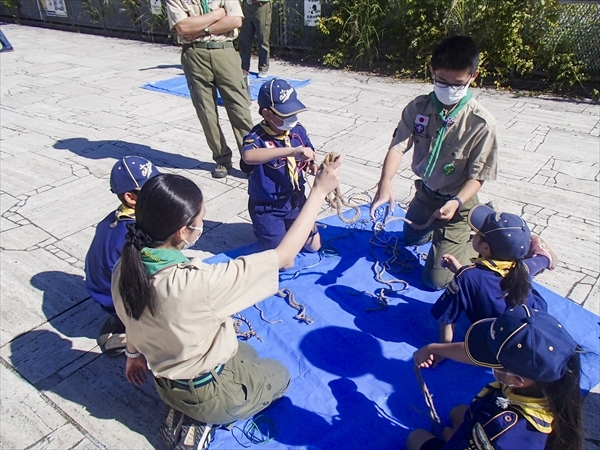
[453,138]
[535,402]
[280,151]
[501,278]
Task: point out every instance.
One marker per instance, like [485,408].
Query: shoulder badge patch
[452,287]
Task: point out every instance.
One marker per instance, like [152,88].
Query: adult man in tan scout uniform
[455,150]
[206,29]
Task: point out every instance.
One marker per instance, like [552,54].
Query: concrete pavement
[71,105]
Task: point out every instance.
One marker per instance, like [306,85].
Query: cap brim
[477,346]
[477,216]
[289,108]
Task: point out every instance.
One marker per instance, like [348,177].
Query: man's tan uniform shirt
[192,331]
[177,10]
[469,149]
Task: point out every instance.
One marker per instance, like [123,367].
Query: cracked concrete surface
[71,105]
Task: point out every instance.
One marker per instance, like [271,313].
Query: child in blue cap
[535,402]
[280,151]
[501,278]
[127,177]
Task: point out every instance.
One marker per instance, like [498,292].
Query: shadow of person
[164,66]
[395,323]
[97,384]
[64,292]
[389,381]
[117,149]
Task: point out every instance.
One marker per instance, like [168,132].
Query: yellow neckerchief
[123,212]
[501,267]
[535,410]
[290,163]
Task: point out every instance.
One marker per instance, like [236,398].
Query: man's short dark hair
[456,53]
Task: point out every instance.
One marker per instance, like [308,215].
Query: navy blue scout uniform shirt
[103,254]
[475,290]
[270,181]
[512,428]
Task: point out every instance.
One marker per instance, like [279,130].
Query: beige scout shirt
[192,330]
[470,144]
[177,10]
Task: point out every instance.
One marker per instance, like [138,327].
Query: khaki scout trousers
[257,21]
[447,236]
[205,71]
[247,385]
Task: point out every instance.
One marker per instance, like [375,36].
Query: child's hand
[450,262]
[328,178]
[424,358]
[304,154]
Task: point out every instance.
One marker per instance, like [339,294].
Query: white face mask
[288,123]
[449,95]
[187,244]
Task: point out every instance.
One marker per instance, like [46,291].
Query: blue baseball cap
[280,97]
[507,234]
[526,341]
[130,173]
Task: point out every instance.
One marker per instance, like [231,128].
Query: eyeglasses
[456,87]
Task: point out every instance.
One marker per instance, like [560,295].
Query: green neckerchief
[205,8]
[535,410]
[447,119]
[501,267]
[155,259]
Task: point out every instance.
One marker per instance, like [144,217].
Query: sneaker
[220,171]
[7,50]
[112,339]
[539,247]
[195,435]
[170,429]
[263,73]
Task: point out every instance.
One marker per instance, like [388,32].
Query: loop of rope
[291,300]
[245,335]
[436,423]
[253,432]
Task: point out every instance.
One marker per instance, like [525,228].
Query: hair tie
[137,237]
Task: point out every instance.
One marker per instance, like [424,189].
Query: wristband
[132,355]
[458,200]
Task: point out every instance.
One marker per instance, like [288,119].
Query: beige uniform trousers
[207,70]
[247,385]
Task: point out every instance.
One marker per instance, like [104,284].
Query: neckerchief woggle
[434,152]
[535,410]
[290,161]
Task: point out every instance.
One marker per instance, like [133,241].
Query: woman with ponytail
[178,311]
[535,402]
[501,278]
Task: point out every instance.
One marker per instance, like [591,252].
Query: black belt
[201,380]
[210,45]
[434,194]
